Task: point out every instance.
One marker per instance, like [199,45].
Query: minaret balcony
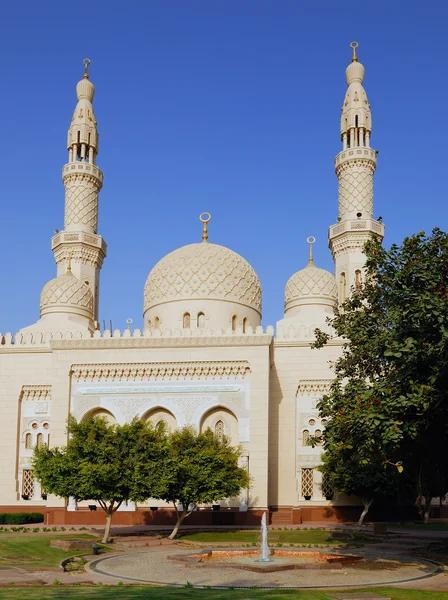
[82,167]
[78,237]
[356,226]
[358,152]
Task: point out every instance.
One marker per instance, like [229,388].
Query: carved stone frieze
[168,371]
[307,386]
[41,393]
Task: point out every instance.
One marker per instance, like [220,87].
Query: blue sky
[226,106]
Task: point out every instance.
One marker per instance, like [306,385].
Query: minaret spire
[355,166]
[83,181]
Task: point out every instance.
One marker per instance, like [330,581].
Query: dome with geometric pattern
[66,294]
[203,271]
[311,285]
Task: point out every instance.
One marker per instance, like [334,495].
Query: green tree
[391,383]
[202,469]
[109,464]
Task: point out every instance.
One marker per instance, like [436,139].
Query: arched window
[28,441]
[245,323]
[201,320]
[48,440]
[186,321]
[219,430]
[318,435]
[305,437]
[234,322]
[342,285]
[358,278]
[156,322]
[39,440]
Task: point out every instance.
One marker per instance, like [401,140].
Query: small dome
[354,72]
[311,285]
[85,89]
[66,294]
[203,271]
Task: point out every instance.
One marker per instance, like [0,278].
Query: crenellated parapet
[137,338]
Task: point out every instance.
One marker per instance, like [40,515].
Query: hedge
[20,518]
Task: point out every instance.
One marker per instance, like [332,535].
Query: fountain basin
[282,560]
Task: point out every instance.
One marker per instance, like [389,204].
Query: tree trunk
[106,535]
[367,504]
[427,509]
[180,520]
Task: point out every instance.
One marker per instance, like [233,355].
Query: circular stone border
[92,567]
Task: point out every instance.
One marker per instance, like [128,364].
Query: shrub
[20,518]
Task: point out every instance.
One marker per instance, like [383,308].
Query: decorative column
[244,496]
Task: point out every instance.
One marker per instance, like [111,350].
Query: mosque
[201,356]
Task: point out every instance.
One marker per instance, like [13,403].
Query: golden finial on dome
[69,262]
[354,45]
[205,218]
[86,63]
[311,240]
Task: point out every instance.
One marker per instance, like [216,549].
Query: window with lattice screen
[28,483]
[327,490]
[186,321]
[219,430]
[305,437]
[28,441]
[307,482]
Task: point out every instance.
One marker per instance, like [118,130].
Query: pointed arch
[186,320]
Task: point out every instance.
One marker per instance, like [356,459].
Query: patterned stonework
[311,281]
[81,199]
[144,371]
[203,271]
[356,187]
[66,290]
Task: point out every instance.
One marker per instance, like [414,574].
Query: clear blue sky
[227,106]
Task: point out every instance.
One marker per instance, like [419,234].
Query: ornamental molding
[40,393]
[203,389]
[314,386]
[355,163]
[164,371]
[80,253]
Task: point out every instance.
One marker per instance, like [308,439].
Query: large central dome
[193,277]
[203,271]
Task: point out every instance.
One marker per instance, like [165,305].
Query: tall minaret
[83,181]
[355,167]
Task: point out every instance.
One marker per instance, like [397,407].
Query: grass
[148,593]
[423,526]
[34,551]
[290,536]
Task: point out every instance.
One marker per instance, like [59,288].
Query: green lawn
[148,593]
[290,536]
[33,551]
[423,526]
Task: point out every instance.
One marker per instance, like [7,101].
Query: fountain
[272,560]
[264,550]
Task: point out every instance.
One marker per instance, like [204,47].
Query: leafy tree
[110,464]
[202,469]
[390,395]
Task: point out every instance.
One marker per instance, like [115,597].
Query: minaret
[83,181]
[355,167]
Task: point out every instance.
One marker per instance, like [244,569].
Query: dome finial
[354,45]
[311,240]
[205,218]
[86,63]
[69,262]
